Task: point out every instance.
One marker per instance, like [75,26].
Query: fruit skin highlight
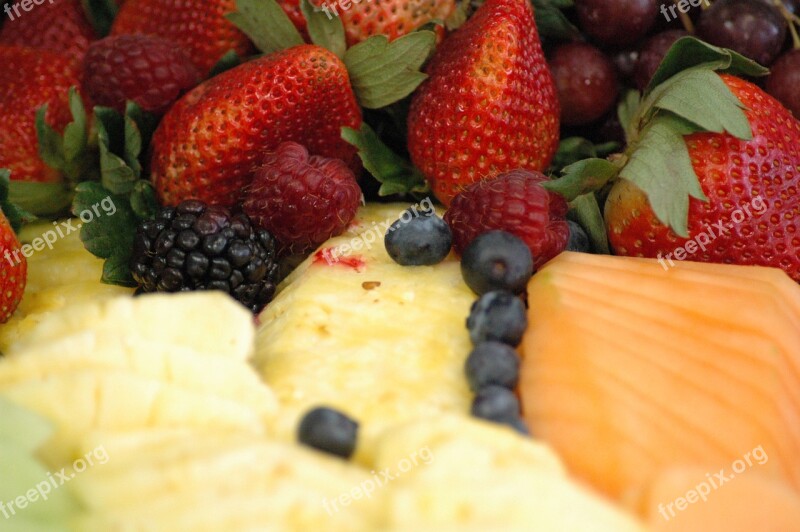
[490,102]
[694,366]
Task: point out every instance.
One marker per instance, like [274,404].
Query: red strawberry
[198,27]
[29,79]
[143,68]
[13,270]
[490,103]
[209,143]
[753,207]
[56,25]
[514,202]
[302,201]
[364,19]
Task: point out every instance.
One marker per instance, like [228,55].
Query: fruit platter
[381,265]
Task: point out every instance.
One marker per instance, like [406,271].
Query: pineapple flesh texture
[382,342]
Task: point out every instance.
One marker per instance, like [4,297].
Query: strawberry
[210,141]
[490,104]
[199,28]
[56,25]
[29,79]
[14,266]
[367,18]
[752,186]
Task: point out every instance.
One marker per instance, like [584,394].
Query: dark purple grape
[784,80]
[625,62]
[652,53]
[586,82]
[616,23]
[754,29]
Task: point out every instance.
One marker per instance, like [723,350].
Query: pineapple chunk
[382,342]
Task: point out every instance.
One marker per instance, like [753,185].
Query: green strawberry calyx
[685,96]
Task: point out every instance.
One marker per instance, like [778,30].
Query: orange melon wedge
[629,369]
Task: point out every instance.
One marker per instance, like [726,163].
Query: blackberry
[198,247]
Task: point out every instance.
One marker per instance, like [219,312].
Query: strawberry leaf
[17,216]
[582,178]
[396,175]
[626,111]
[661,167]
[689,52]
[101,14]
[111,236]
[325,30]
[266,23]
[574,149]
[459,15]
[382,73]
[586,211]
[226,62]
[551,21]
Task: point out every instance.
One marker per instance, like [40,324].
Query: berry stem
[686,20]
[791,19]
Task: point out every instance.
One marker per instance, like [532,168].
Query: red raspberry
[514,202]
[302,200]
[147,69]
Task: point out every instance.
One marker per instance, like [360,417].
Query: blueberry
[495,403]
[497,316]
[492,363]
[418,239]
[328,430]
[497,261]
[578,240]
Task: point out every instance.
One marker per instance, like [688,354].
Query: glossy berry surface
[498,316]
[197,247]
[578,239]
[329,431]
[495,403]
[784,81]
[497,261]
[514,202]
[616,22]
[303,200]
[421,239]
[754,29]
[651,55]
[586,83]
[148,70]
[492,364]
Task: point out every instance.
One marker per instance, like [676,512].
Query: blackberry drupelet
[198,247]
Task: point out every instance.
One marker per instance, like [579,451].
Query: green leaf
[582,178]
[396,175]
[266,23]
[76,132]
[626,112]
[701,97]
[16,215]
[228,61]
[574,149]
[48,200]
[689,52]
[143,200]
[115,173]
[325,29]
[551,21]
[459,15]
[661,167]
[382,73]
[109,236]
[145,122]
[133,146]
[101,14]
[586,211]
[51,144]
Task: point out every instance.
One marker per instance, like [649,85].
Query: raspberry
[146,69]
[302,200]
[514,202]
[198,247]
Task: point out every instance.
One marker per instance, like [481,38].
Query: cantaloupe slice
[629,368]
[683,499]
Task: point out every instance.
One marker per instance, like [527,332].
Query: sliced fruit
[630,367]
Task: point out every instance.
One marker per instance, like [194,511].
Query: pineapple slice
[65,276]
[382,342]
